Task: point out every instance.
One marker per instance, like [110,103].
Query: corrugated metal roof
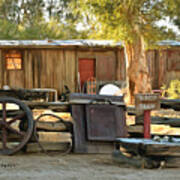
[90,43]
[169,43]
[81,43]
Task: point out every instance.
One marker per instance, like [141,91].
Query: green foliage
[20,11]
[126,19]
[103,19]
[173,92]
[37,19]
[8,30]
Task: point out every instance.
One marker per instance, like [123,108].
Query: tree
[134,23]
[8,30]
[37,19]
[176,14]
[21,11]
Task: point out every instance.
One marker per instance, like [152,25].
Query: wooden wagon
[17,124]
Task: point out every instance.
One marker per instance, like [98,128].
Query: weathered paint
[53,64]
[54,68]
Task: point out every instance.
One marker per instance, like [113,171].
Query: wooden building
[53,64]
[164,63]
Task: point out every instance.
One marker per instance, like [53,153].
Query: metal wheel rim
[30,124]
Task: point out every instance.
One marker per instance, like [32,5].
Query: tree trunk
[138,77]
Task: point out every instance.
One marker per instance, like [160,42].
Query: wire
[36,136]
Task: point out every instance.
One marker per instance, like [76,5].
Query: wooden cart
[16,122]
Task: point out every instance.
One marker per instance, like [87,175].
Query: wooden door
[86,69]
[106,67]
[13,69]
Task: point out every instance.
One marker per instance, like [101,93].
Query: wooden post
[146,103]
[147,124]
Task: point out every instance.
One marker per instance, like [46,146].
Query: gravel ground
[75,167]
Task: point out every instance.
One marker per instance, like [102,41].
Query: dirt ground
[75,167]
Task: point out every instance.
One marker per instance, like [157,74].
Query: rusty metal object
[99,120]
[104,122]
[15,130]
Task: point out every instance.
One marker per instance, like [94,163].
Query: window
[13,60]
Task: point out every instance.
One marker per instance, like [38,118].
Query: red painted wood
[86,69]
[147,124]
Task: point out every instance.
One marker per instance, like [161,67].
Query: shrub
[173,91]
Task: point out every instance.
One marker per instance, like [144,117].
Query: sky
[170,25]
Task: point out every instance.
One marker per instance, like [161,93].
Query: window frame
[13,51]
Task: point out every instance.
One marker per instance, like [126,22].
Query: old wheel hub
[16,125]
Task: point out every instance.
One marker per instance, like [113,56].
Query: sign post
[146,103]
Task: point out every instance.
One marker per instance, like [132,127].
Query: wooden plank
[121,65]
[149,147]
[60,137]
[10,145]
[171,103]
[16,78]
[51,126]
[34,147]
[172,162]
[156,130]
[59,106]
[162,150]
[148,153]
[166,113]
[108,62]
[59,70]
[151,61]
[80,142]
[70,68]
[89,54]
[44,79]
[1,69]
[5,74]
[162,67]
[12,138]
[36,58]
[173,62]
[174,122]
[28,65]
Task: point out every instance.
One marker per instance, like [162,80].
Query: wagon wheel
[16,125]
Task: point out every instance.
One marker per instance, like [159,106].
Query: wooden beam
[156,130]
[34,147]
[51,126]
[58,106]
[174,122]
[52,137]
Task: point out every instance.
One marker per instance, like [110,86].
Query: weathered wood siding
[121,66]
[42,68]
[51,68]
[164,66]
[1,69]
[152,64]
[54,68]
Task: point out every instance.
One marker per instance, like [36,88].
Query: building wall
[164,66]
[54,68]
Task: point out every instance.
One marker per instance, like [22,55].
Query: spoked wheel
[16,125]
